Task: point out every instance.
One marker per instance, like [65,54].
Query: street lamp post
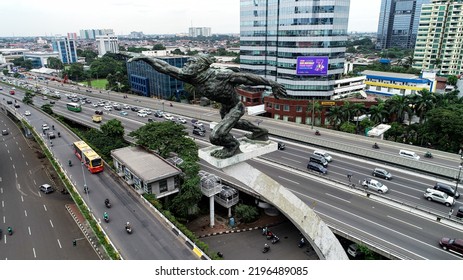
[85,183]
[458,178]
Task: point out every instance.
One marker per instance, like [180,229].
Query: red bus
[88,156]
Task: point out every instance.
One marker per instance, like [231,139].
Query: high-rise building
[299,44]
[90,34]
[107,43]
[398,23]
[66,48]
[439,41]
[199,31]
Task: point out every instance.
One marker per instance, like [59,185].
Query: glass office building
[148,82]
[398,23]
[67,50]
[275,33]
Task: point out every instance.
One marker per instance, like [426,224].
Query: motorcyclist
[317,132]
[105,216]
[70,162]
[127,225]
[10,230]
[106,202]
[375,146]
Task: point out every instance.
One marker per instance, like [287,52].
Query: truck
[97,118]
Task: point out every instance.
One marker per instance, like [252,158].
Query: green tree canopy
[113,128]
[444,127]
[55,63]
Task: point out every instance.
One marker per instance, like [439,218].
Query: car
[460,212]
[435,195]
[447,189]
[181,120]
[199,132]
[452,244]
[353,250]
[381,173]
[150,120]
[107,108]
[317,167]
[324,154]
[27,113]
[281,146]
[158,114]
[16,105]
[95,105]
[409,154]
[169,117]
[135,109]
[9,102]
[148,111]
[374,185]
[123,113]
[99,112]
[52,102]
[51,135]
[141,114]
[4,132]
[46,188]
[45,126]
[126,107]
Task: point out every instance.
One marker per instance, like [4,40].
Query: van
[446,189]
[46,188]
[318,159]
[324,154]
[409,154]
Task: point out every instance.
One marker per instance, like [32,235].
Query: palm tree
[423,102]
[398,106]
[334,114]
[378,113]
[357,110]
[346,111]
[314,108]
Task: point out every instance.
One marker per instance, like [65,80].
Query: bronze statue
[219,85]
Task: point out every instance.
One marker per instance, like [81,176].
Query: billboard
[312,65]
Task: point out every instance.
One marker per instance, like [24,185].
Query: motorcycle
[106,217]
[275,239]
[128,228]
[107,204]
[301,243]
[317,133]
[428,155]
[70,163]
[86,190]
[1,233]
[269,235]
[171,105]
[59,134]
[266,248]
[375,146]
[10,230]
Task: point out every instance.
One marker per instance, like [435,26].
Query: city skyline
[145,16]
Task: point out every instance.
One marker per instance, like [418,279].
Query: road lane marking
[59,244]
[51,223]
[11,158]
[27,163]
[25,213]
[404,222]
[29,229]
[22,198]
[33,250]
[45,207]
[296,161]
[333,196]
[289,180]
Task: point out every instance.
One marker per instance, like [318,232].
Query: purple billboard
[312,65]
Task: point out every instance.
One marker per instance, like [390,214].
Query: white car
[374,185]
[141,114]
[181,120]
[95,105]
[45,126]
[435,195]
[169,117]
[27,113]
[107,108]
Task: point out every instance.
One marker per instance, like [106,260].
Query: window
[286,108]
[298,108]
[277,106]
[163,186]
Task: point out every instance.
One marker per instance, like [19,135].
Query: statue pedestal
[303,217]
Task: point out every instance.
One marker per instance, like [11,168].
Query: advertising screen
[312,65]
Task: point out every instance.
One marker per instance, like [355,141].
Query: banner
[312,65]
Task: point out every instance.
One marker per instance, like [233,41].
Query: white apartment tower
[439,41]
[107,43]
[199,31]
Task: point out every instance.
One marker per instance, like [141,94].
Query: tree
[76,72]
[422,103]
[24,63]
[334,115]
[178,52]
[357,109]
[47,109]
[54,63]
[452,80]
[113,129]
[377,113]
[397,107]
[159,47]
[28,98]
[162,137]
[348,127]
[188,197]
[444,127]
[246,213]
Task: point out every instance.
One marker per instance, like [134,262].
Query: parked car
[374,185]
[317,167]
[452,244]
[353,250]
[435,195]
[382,173]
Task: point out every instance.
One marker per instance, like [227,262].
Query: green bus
[74,107]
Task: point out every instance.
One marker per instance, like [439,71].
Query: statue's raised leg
[221,136]
[257,133]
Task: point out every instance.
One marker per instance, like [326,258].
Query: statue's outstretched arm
[250,79]
[159,65]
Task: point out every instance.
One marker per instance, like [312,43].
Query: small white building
[146,172]
[107,43]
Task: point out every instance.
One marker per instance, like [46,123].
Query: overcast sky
[52,17]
